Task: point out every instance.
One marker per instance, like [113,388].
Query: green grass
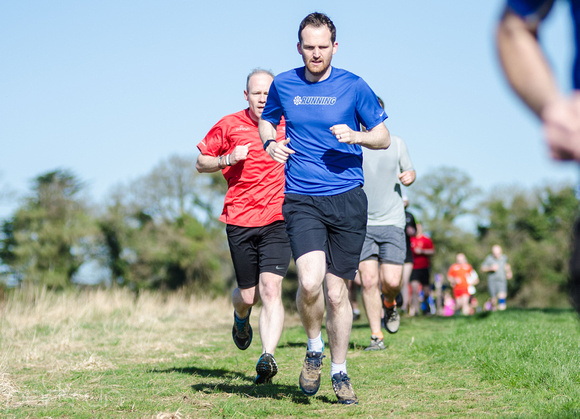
[176,359]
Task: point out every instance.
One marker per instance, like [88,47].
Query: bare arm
[424,251]
[474,278]
[508,271]
[267,130]
[529,74]
[485,268]
[524,63]
[428,252]
[377,138]
[278,151]
[407,177]
[490,267]
[210,164]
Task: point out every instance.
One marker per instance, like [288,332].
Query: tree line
[161,231]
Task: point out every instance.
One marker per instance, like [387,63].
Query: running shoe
[376,344]
[266,369]
[310,376]
[391,321]
[242,331]
[343,389]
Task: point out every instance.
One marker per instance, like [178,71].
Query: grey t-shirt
[499,274]
[381,170]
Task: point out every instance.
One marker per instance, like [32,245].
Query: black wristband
[267,143]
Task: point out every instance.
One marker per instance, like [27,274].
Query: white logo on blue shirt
[314,100]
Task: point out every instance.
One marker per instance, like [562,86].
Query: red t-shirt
[421,261]
[256,185]
[460,272]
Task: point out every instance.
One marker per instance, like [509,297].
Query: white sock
[316,344]
[336,368]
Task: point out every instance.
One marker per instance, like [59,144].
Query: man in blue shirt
[325,208]
[529,73]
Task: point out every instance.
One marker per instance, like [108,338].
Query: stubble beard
[317,71]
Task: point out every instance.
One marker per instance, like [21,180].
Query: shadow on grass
[300,344]
[360,325]
[542,310]
[272,391]
[205,372]
[457,316]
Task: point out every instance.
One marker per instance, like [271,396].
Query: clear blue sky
[109,88]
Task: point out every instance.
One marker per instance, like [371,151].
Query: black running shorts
[258,249]
[421,275]
[335,224]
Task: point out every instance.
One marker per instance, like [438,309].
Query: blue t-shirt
[539,9]
[321,165]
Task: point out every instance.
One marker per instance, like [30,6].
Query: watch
[267,143]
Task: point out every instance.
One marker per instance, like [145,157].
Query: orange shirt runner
[460,272]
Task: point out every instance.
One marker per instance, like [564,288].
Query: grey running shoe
[242,331]
[343,389]
[310,376]
[391,320]
[376,344]
[266,369]
[355,316]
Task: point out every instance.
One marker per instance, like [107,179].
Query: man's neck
[252,115]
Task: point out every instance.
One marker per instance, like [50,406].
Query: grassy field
[109,354]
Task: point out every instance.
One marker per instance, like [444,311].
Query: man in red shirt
[252,211]
[423,249]
[461,275]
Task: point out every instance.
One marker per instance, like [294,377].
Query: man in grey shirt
[384,249]
[498,272]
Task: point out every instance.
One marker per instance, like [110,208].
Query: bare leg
[243,300]
[407,269]
[463,302]
[338,317]
[426,294]
[439,298]
[414,309]
[369,273]
[391,277]
[311,269]
[501,296]
[352,293]
[494,303]
[272,313]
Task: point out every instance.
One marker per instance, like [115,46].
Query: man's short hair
[317,20]
[257,71]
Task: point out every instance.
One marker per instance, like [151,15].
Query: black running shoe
[266,369]
[242,331]
[310,376]
[399,300]
[343,389]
